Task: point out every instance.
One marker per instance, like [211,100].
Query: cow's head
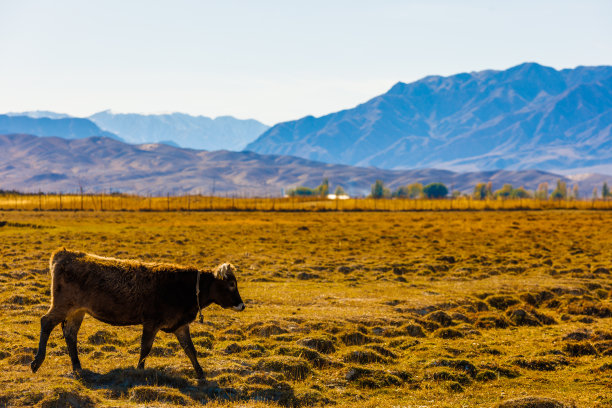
[224,289]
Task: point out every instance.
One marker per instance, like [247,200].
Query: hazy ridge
[52,164]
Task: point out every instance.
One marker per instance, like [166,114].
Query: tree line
[482,191]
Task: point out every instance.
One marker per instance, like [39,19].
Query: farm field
[391,309]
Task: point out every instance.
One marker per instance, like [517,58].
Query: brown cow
[159,296]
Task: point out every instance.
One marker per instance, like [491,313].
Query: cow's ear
[221,271]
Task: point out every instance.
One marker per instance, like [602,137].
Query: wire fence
[122,202]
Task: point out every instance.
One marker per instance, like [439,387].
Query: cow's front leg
[184,338]
[149,330]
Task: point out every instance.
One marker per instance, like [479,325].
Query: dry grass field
[397,309]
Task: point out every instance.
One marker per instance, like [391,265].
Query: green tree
[323,188]
[415,190]
[605,190]
[378,189]
[505,192]
[560,192]
[401,192]
[301,192]
[435,190]
[339,191]
[520,193]
[480,191]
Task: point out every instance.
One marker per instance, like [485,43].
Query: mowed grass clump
[374,309]
[291,367]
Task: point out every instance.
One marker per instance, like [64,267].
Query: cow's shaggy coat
[126,292]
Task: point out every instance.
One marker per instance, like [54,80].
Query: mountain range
[66,127]
[195,132]
[52,164]
[529,116]
[175,129]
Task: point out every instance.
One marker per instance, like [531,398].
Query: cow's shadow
[121,382]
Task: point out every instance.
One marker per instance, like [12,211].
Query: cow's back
[113,290]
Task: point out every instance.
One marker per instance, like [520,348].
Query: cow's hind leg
[47,323]
[184,338]
[71,327]
[148,336]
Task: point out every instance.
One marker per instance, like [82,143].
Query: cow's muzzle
[239,308]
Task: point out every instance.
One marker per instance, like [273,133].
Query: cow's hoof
[35,365]
[204,383]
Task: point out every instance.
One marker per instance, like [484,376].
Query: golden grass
[119,202]
[428,309]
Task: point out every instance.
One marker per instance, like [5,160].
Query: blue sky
[272,60]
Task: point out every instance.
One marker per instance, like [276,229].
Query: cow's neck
[206,280]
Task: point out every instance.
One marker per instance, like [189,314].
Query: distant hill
[52,164]
[40,114]
[529,116]
[68,128]
[196,132]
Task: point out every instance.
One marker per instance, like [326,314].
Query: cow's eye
[232,285]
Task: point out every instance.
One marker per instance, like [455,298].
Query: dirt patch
[104,337]
[61,397]
[448,333]
[536,299]
[521,317]
[533,402]
[383,351]
[460,365]
[440,317]
[292,367]
[203,342]
[588,308]
[604,347]
[444,375]
[22,300]
[268,330]
[262,379]
[500,371]
[159,394]
[232,348]
[491,322]
[486,375]
[579,349]
[21,359]
[414,330]
[316,359]
[307,276]
[320,344]
[363,357]
[355,339]
[366,378]
[541,364]
[281,393]
[502,302]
